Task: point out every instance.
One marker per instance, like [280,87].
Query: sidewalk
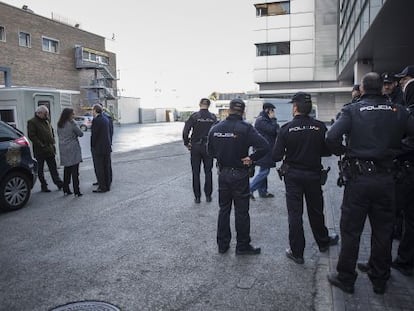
[400,292]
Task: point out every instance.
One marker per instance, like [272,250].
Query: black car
[18,170]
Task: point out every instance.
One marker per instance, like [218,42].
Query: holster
[324,175]
[403,171]
[282,170]
[252,169]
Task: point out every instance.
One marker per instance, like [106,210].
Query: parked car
[84,122]
[18,169]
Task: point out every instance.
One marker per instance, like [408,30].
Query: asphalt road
[145,245]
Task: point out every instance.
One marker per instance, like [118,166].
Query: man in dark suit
[101,149]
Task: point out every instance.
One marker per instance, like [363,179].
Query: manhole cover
[87,306]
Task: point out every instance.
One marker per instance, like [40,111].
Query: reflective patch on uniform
[374,108]
[13,155]
[225,135]
[304,128]
[206,120]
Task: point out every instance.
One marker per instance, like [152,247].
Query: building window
[2,33]
[50,45]
[24,39]
[275,48]
[95,58]
[273,8]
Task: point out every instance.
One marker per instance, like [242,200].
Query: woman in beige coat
[70,150]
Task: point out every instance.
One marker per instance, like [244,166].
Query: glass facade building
[355,18]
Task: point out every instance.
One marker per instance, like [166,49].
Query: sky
[169,53]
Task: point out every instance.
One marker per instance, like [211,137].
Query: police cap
[268,106]
[387,77]
[301,97]
[237,104]
[408,71]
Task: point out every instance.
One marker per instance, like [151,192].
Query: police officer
[405,76]
[229,142]
[405,258]
[375,128]
[355,95]
[391,89]
[301,144]
[199,123]
[266,125]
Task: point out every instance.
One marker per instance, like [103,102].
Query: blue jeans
[259,181]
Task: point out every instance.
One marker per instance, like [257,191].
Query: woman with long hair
[70,150]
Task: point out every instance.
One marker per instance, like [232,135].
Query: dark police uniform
[405,259]
[374,128]
[200,123]
[301,142]
[229,142]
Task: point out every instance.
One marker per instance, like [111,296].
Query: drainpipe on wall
[7,76]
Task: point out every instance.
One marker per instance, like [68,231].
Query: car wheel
[83,128]
[14,191]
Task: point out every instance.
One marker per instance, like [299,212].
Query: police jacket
[408,142]
[229,142]
[41,134]
[374,128]
[302,143]
[199,123]
[268,128]
[396,97]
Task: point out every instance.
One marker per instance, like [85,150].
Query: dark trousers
[102,166]
[198,155]
[234,187]
[405,256]
[371,196]
[71,172]
[51,164]
[300,183]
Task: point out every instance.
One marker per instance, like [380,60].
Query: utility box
[18,105]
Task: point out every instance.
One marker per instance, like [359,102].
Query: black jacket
[199,123]
[396,97]
[374,128]
[302,143]
[229,142]
[41,134]
[101,135]
[268,128]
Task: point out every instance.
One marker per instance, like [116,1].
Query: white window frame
[28,35]
[50,41]
[3,32]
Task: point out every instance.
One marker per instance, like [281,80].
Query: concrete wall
[147,115]
[128,110]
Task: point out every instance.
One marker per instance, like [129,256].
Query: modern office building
[325,46]
[41,52]
[374,35]
[296,50]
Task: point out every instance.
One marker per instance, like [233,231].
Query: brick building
[41,52]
